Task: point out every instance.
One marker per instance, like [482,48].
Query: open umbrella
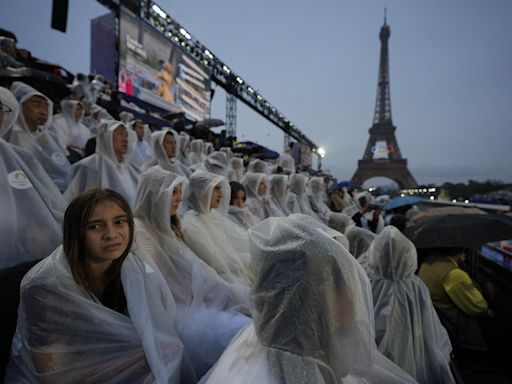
[463,230]
[437,212]
[342,184]
[402,201]
[209,123]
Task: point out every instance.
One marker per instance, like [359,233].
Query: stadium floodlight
[184,32]
[239,80]
[321,151]
[159,11]
[259,97]
[250,90]
[226,69]
[208,53]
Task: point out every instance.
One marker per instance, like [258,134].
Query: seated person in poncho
[317,200]
[110,166]
[278,189]
[236,169]
[96,309]
[208,307]
[32,208]
[208,149]
[238,211]
[142,152]
[165,147]
[360,240]
[407,328]
[258,200]
[32,131]
[68,126]
[340,222]
[312,312]
[195,155]
[296,200]
[286,162]
[210,234]
[257,166]
[184,148]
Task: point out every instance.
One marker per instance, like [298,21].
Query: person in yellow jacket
[455,297]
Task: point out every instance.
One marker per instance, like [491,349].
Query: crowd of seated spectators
[181,260]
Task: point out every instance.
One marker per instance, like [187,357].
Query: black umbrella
[464,230]
[209,123]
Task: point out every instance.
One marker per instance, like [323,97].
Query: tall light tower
[230,115]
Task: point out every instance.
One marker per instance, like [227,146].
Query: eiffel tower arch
[382,155]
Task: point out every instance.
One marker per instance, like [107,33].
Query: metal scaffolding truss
[221,73]
[230,115]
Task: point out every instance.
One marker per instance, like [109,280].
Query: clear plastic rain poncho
[360,240]
[312,312]
[260,205]
[286,162]
[242,216]
[71,132]
[143,151]
[278,189]
[96,114]
[43,144]
[32,207]
[126,117]
[316,196]
[217,162]
[183,144]
[237,169]
[340,222]
[296,199]
[103,170]
[407,328]
[63,335]
[208,149]
[213,237]
[208,307]
[195,155]
[81,88]
[313,223]
[257,166]
[160,155]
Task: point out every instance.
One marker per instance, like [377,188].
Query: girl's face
[79,111]
[107,234]
[175,199]
[120,142]
[216,196]
[262,187]
[170,145]
[239,199]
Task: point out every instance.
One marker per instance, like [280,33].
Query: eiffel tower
[382,155]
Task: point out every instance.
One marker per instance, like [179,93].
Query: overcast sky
[317,62]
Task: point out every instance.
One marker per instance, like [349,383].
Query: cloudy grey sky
[317,62]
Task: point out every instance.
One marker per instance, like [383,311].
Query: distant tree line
[473,188]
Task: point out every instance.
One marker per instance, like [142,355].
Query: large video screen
[157,71]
